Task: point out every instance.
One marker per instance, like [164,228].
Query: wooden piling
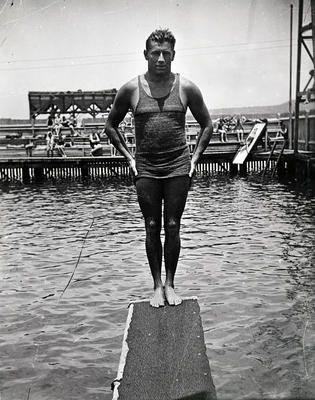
[39,174]
[243,169]
[26,174]
[233,169]
[85,172]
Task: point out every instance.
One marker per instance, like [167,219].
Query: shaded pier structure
[36,169]
[301,123]
[304,126]
[74,102]
[163,355]
[80,165]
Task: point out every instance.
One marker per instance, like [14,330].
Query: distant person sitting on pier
[77,124]
[122,126]
[50,143]
[70,124]
[50,123]
[67,138]
[95,143]
[283,131]
[30,146]
[58,124]
[215,124]
[222,130]
[162,166]
[73,125]
[239,129]
[65,122]
[59,144]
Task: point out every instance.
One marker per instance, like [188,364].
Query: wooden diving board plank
[164,355]
[249,144]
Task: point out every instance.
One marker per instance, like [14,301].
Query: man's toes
[172,298]
[178,301]
[170,301]
[153,303]
[157,301]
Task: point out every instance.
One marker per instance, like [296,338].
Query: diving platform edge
[163,355]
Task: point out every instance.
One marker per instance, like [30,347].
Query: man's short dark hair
[160,36]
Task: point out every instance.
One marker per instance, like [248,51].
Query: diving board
[164,355]
[243,152]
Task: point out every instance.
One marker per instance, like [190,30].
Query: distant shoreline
[249,112]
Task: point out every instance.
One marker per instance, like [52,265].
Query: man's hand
[132,165]
[192,168]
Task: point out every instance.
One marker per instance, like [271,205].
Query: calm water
[247,253]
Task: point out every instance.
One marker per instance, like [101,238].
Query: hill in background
[252,111]
[266,111]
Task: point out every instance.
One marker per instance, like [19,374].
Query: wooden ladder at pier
[163,355]
[272,152]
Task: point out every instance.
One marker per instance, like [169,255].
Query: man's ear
[173,55]
[145,53]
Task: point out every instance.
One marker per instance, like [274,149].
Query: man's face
[159,57]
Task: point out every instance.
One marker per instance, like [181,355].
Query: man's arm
[119,109]
[201,114]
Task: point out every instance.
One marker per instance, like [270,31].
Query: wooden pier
[19,161]
[215,159]
[163,355]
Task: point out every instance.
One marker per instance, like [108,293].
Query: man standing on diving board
[162,166]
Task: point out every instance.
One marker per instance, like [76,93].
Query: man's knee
[172,226]
[152,226]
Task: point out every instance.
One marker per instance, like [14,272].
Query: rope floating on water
[78,260]
[303,345]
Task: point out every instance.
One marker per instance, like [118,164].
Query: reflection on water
[247,253]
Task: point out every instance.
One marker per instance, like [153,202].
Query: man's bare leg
[175,195]
[171,254]
[154,254]
[150,200]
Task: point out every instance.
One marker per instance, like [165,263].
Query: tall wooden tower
[305,47]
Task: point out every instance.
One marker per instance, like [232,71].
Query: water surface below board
[247,254]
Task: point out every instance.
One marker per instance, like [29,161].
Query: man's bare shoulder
[129,87]
[127,94]
[187,84]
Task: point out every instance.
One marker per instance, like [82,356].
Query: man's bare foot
[172,298]
[158,299]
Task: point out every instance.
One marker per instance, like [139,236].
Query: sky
[236,51]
